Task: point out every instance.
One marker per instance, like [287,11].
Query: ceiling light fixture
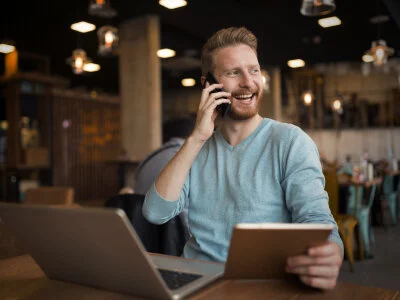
[188,82]
[312,8]
[367,58]
[101,8]
[166,53]
[108,40]
[172,4]
[83,27]
[296,63]
[329,22]
[6,48]
[380,52]
[91,67]
[78,61]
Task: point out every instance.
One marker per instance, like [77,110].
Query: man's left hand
[320,267]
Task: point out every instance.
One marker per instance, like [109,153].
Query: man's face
[238,69]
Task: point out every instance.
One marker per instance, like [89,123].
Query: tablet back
[260,251]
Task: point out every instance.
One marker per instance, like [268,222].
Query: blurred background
[85,87]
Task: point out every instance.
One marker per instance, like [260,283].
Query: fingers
[212,87]
[305,260]
[327,249]
[315,271]
[320,268]
[207,96]
[319,282]
[211,106]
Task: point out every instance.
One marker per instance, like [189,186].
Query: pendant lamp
[108,40]
[101,8]
[78,61]
[312,8]
[380,52]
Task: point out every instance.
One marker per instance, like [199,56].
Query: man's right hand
[207,113]
[170,182]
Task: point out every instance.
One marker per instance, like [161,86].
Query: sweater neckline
[243,143]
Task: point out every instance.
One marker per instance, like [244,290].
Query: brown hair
[224,38]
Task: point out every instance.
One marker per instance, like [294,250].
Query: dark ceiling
[42,27]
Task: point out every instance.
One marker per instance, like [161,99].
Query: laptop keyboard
[175,280]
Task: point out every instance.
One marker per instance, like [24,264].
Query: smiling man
[250,170]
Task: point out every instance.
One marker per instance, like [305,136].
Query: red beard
[244,113]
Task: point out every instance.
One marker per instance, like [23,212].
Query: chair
[390,197]
[346,223]
[50,195]
[362,213]
[169,238]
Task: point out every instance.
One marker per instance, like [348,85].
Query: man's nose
[246,80]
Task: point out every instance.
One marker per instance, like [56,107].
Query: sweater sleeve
[158,210]
[303,183]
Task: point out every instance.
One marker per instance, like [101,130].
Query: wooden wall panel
[86,138]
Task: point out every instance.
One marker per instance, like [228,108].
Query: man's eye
[233,73]
[254,71]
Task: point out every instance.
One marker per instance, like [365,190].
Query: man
[249,170]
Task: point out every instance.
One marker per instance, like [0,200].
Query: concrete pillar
[277,93]
[140,86]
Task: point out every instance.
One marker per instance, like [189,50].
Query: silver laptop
[99,247]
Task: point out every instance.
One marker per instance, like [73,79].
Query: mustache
[244,92]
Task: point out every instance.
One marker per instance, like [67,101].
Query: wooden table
[21,278]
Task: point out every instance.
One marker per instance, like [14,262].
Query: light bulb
[337,105]
[307,98]
[78,63]
[317,2]
[380,54]
[109,38]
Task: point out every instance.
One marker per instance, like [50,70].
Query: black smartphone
[224,107]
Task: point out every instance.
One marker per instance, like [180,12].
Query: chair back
[332,188]
[398,183]
[355,199]
[388,185]
[371,195]
[50,195]
[168,238]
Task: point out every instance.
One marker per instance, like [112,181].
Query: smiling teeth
[243,96]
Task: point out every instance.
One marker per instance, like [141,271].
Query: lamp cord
[378,9]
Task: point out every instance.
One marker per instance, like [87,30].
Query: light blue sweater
[274,175]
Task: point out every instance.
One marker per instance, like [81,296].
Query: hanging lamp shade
[312,8]
[78,61]
[7,46]
[101,8]
[108,40]
[380,52]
